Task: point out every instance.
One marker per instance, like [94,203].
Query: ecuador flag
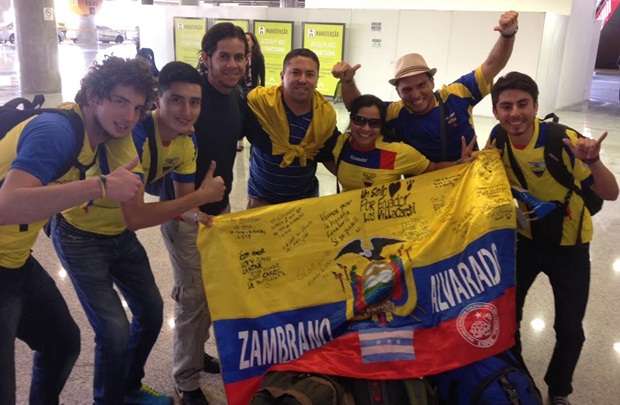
[394,281]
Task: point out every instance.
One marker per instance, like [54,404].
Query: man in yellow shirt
[98,247]
[42,163]
[563,257]
[165,141]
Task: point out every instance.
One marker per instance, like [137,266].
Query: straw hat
[410,64]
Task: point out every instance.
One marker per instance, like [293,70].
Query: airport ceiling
[265,3]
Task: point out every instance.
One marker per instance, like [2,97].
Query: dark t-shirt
[218,129]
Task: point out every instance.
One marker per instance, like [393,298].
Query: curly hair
[103,77]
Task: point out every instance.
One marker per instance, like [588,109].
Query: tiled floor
[596,378]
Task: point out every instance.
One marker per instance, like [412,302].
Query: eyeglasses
[361,121]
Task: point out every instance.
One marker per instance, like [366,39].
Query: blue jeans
[95,263]
[32,310]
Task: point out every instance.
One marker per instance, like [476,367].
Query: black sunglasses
[361,121]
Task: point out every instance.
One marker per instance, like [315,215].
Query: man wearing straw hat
[434,122]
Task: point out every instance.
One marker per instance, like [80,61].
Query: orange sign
[85,8]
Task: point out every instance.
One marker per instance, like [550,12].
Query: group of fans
[84,168]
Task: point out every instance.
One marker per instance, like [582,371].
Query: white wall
[552,6]
[377,62]
[156,24]
[464,41]
[455,42]
[549,70]
[578,60]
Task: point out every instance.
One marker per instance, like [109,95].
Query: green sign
[276,40]
[244,24]
[327,41]
[188,33]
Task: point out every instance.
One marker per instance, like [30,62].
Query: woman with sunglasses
[364,159]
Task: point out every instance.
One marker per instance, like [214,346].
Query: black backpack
[550,228]
[293,388]
[497,380]
[392,392]
[553,161]
[20,109]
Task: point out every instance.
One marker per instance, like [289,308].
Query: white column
[87,32]
[37,46]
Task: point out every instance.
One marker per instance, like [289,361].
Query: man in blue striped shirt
[291,128]
[431,121]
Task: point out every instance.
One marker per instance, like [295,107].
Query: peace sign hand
[467,150]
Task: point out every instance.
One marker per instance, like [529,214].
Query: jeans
[95,263]
[568,270]
[32,310]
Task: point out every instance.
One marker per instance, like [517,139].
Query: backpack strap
[554,145]
[513,357]
[501,142]
[77,127]
[443,131]
[301,388]
[22,102]
[17,110]
[499,135]
[500,375]
[278,394]
[149,125]
[38,101]
[551,116]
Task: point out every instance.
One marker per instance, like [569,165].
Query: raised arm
[499,55]
[346,73]
[138,214]
[588,151]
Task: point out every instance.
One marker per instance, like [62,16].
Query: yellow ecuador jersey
[45,147]
[177,157]
[542,185]
[386,162]
[104,216]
